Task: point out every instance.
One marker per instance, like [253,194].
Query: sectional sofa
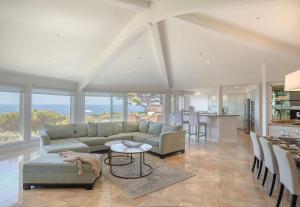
[91,137]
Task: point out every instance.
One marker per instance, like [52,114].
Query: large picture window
[49,109]
[10,113]
[104,108]
[145,106]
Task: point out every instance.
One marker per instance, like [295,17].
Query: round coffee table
[121,148]
[109,158]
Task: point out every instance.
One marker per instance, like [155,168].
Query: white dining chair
[270,162]
[178,117]
[171,119]
[289,177]
[258,153]
[195,126]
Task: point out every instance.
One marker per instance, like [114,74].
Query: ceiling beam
[243,35]
[160,54]
[136,5]
[158,11]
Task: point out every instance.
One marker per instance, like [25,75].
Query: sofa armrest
[171,142]
[45,139]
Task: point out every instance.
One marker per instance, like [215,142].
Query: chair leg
[293,201]
[257,164]
[273,184]
[254,162]
[260,168]
[189,132]
[265,176]
[280,195]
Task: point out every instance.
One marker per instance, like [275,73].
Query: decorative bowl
[131,144]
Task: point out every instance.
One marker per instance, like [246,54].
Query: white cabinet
[236,105]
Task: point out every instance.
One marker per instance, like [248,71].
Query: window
[177,103]
[142,106]
[49,109]
[104,108]
[10,116]
[118,108]
[97,109]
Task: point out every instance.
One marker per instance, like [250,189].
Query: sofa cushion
[170,128]
[130,127]
[73,144]
[104,129]
[143,126]
[92,129]
[153,141]
[116,128]
[81,130]
[92,141]
[155,128]
[122,136]
[60,131]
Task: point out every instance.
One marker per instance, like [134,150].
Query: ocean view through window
[49,109]
[10,103]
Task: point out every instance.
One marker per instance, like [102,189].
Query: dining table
[287,143]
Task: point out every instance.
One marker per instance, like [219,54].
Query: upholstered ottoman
[51,170]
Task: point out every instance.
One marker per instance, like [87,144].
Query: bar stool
[178,117]
[194,122]
[288,174]
[270,162]
[258,153]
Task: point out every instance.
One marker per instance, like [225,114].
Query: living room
[149,103]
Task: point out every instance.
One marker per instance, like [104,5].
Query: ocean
[65,109]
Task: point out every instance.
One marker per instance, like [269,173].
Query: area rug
[163,175]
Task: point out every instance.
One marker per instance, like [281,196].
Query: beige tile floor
[223,178]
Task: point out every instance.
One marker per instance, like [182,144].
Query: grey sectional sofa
[91,137]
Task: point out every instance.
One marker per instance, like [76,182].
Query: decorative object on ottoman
[50,170]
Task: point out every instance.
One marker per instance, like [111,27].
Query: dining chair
[171,119]
[288,174]
[196,124]
[270,162]
[179,120]
[258,153]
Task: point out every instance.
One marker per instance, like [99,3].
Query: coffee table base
[142,165]
[109,161]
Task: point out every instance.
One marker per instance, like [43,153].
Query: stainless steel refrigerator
[247,116]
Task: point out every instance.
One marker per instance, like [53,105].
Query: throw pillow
[81,130]
[116,128]
[155,128]
[170,128]
[60,131]
[143,126]
[104,129]
[130,127]
[92,129]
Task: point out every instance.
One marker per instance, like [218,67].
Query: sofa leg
[182,151]
[89,186]
[162,156]
[26,187]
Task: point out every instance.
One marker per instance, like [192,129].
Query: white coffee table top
[121,148]
[111,143]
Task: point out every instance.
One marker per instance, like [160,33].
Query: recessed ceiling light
[140,57]
[208,61]
[258,18]
[58,35]
[128,71]
[236,87]
[55,61]
[200,54]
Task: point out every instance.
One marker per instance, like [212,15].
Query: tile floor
[223,179]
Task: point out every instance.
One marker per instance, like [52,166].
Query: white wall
[200,102]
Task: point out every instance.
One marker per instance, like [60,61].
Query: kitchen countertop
[284,124]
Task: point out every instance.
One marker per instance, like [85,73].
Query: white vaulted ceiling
[181,44]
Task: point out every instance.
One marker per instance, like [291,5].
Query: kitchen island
[220,127]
